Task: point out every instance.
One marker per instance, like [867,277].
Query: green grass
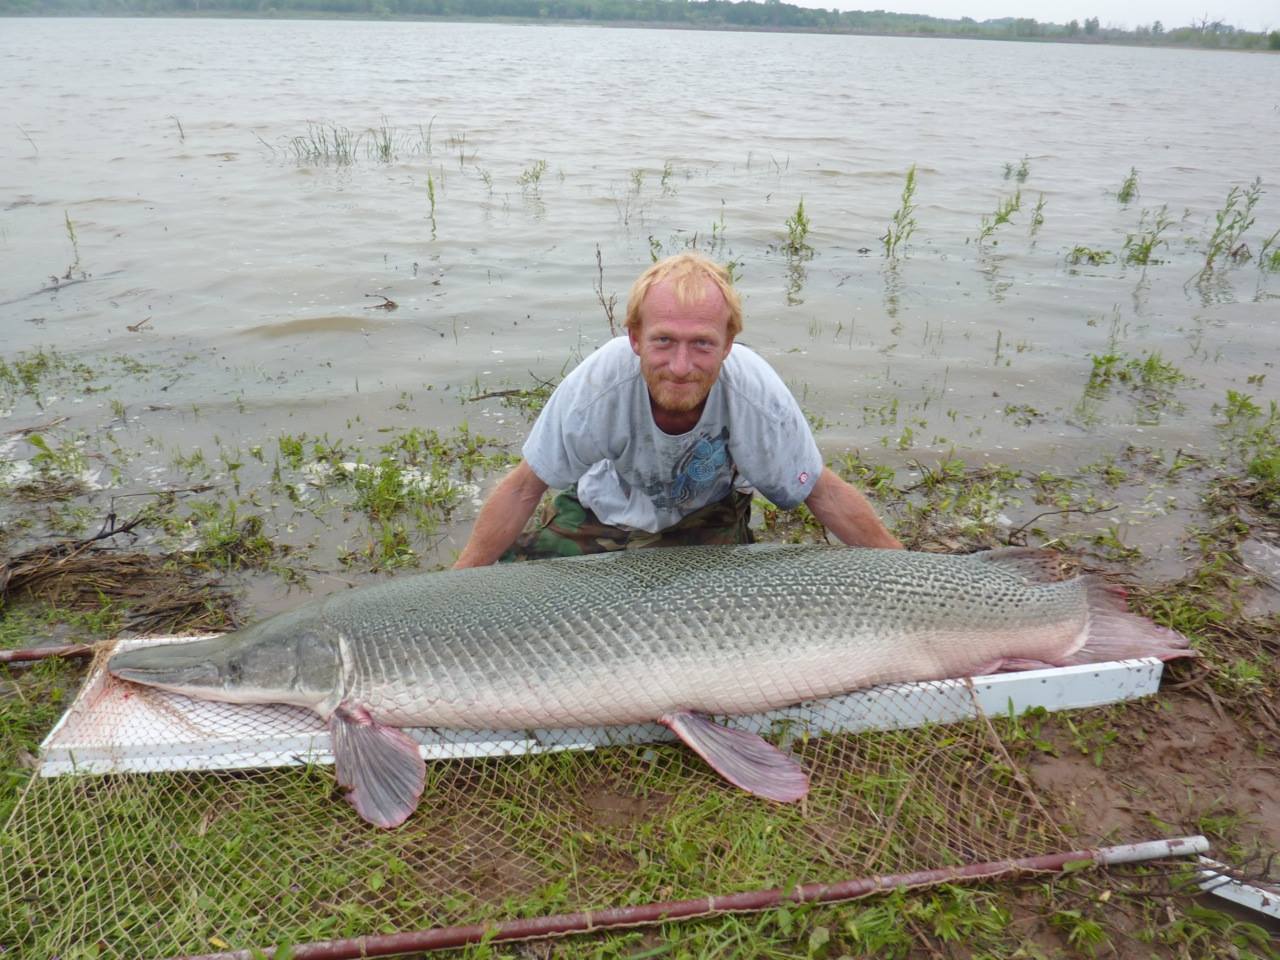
[57,460]
[267,858]
[411,489]
[1232,221]
[75,247]
[668,171]
[528,401]
[1151,382]
[28,710]
[226,537]
[1207,606]
[1081,254]
[1018,171]
[1139,248]
[1129,188]
[796,245]
[1023,414]
[951,505]
[325,144]
[530,179]
[382,142]
[1037,216]
[1269,254]
[332,144]
[271,507]
[33,697]
[903,222]
[469,454]
[1254,438]
[386,488]
[29,376]
[1004,212]
[252,858]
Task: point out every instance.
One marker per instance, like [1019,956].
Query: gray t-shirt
[597,430]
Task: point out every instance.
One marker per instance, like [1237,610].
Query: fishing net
[163,861]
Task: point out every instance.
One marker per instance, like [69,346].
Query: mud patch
[1171,765]
[610,809]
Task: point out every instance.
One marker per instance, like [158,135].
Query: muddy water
[206,242]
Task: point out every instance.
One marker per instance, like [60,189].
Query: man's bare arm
[844,511]
[502,517]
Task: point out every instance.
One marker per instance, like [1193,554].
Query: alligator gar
[670,635]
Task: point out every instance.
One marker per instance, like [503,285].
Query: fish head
[291,658]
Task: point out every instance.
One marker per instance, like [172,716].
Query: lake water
[168,149]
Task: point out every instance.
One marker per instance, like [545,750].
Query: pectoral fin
[742,758]
[379,765]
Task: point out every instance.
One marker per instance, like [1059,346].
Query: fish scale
[642,632]
[666,635]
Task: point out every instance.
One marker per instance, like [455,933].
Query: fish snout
[165,666]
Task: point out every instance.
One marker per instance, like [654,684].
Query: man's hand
[844,511]
[502,517]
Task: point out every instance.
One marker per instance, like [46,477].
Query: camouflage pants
[565,528]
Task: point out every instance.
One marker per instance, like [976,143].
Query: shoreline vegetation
[745,15]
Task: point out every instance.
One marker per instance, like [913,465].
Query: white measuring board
[1215,879]
[117,727]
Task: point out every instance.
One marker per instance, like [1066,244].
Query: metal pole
[439,938]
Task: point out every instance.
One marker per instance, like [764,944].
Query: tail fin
[1114,633]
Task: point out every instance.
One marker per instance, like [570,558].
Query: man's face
[681,347]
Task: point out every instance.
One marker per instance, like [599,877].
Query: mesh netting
[172,862]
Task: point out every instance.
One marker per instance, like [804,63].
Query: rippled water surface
[169,150]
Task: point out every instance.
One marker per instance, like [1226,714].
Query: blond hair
[689,273]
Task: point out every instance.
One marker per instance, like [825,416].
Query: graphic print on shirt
[704,465]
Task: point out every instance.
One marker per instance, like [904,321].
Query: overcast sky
[1245,14]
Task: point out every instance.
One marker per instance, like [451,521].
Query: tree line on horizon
[710,14]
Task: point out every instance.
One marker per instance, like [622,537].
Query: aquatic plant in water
[1231,222]
[797,231]
[1138,247]
[1269,255]
[902,224]
[1129,188]
[530,179]
[1037,216]
[667,189]
[1004,212]
[75,246]
[325,144]
[1082,254]
[1020,171]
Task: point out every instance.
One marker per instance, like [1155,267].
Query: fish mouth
[174,665]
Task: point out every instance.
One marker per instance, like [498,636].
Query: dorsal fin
[1030,563]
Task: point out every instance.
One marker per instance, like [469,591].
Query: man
[654,437]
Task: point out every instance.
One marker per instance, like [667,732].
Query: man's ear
[633,336]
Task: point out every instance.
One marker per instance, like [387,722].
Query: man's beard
[666,395]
